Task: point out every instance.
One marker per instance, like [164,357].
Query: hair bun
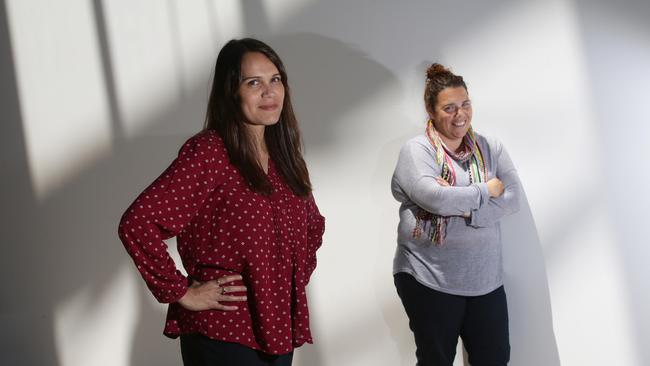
[438,78]
[436,69]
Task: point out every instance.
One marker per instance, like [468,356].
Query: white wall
[97,96]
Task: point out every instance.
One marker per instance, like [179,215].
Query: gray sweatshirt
[469,263]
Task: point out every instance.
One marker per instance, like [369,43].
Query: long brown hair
[224,115]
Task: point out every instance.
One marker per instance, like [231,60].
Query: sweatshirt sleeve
[414,180]
[506,204]
[165,208]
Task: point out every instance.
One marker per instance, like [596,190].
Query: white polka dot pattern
[222,228]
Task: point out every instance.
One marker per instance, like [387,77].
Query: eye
[467,104]
[252,82]
[449,109]
[276,79]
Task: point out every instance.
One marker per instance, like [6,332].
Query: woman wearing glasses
[454,186]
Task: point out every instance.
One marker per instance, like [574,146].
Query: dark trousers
[437,320]
[199,350]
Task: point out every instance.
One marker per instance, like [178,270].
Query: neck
[257,134]
[261,151]
[452,145]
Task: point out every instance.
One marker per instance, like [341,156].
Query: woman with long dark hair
[238,199]
[454,187]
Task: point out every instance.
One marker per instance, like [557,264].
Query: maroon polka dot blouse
[224,228]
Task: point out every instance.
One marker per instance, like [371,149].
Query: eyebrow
[464,101]
[257,77]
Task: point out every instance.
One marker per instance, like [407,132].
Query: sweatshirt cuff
[484,196]
[474,219]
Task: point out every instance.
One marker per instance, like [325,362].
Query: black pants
[199,350]
[437,320]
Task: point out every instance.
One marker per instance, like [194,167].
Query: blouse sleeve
[165,208]
[315,231]
[508,202]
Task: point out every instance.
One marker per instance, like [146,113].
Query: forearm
[448,201]
[496,208]
[143,242]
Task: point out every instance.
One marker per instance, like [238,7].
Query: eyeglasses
[454,108]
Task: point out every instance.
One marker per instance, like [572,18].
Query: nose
[267,90]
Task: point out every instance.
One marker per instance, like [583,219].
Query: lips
[269,107]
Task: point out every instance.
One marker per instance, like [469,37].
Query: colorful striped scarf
[470,154]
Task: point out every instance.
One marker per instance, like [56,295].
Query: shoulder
[416,153]
[204,147]
[489,143]
[417,145]
[207,138]
[205,142]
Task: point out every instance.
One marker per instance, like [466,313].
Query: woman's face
[452,115]
[261,91]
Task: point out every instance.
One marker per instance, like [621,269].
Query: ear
[430,112]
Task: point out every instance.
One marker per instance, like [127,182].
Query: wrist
[185,298]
